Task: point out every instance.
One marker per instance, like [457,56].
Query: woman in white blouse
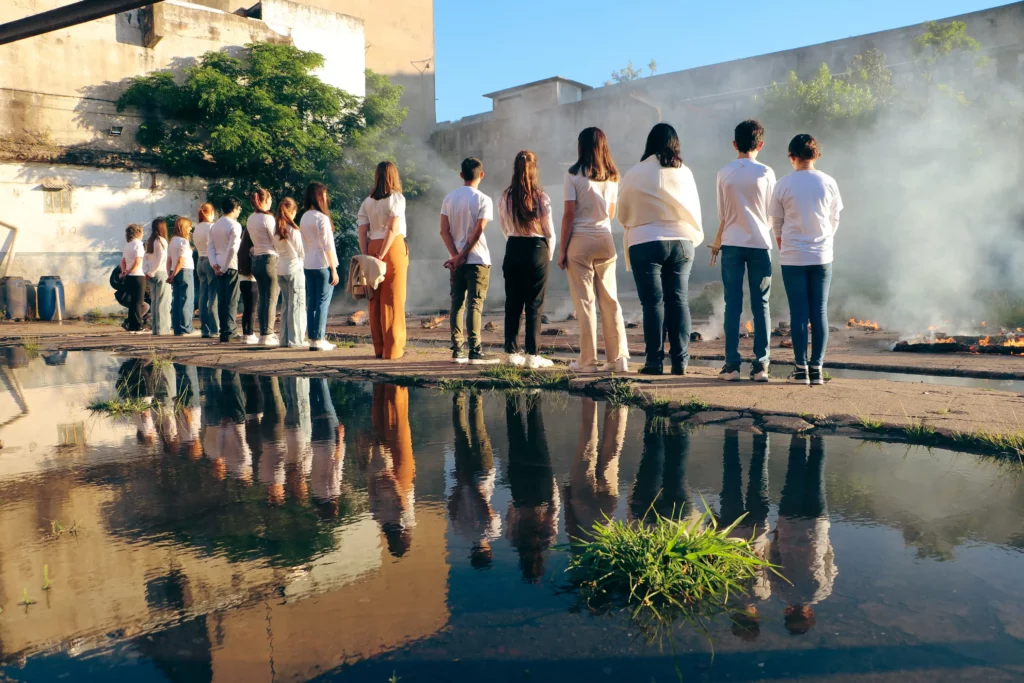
[207,278]
[382,234]
[260,227]
[288,243]
[181,271]
[320,264]
[134,278]
[154,264]
[525,213]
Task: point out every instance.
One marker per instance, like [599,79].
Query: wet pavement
[260,528]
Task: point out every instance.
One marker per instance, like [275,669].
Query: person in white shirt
[804,212]
[134,278]
[320,263]
[525,212]
[288,244]
[154,264]
[382,234]
[260,227]
[660,209]
[469,504]
[744,241]
[181,273]
[465,213]
[207,278]
[588,252]
[225,238]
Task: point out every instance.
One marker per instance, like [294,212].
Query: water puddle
[290,529]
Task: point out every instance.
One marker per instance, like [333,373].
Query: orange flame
[748,327]
[985,341]
[946,340]
[863,324]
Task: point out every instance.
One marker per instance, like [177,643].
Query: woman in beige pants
[588,253]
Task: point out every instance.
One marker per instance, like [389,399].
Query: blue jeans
[661,271]
[318,301]
[807,291]
[757,265]
[207,298]
[183,305]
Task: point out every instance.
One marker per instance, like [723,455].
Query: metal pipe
[63,17]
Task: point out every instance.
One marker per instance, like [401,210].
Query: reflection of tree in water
[181,652]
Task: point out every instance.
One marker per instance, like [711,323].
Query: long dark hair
[386,181]
[285,223]
[595,159]
[316,199]
[523,196]
[663,142]
[159,230]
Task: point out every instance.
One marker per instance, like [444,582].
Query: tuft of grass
[1006,443]
[658,404]
[621,393]
[46,578]
[663,569]
[120,407]
[159,363]
[522,378]
[513,375]
[447,385]
[825,375]
[32,347]
[870,424]
[918,432]
[346,344]
[25,600]
[696,404]
[57,529]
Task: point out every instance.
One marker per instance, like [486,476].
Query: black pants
[227,303]
[135,286]
[250,300]
[526,280]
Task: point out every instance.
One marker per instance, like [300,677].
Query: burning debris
[433,321]
[863,325]
[553,332]
[358,318]
[491,326]
[1006,344]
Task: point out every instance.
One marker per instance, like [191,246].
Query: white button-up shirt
[225,238]
[318,241]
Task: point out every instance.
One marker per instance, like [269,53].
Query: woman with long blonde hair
[288,243]
[382,234]
[525,214]
[207,278]
[181,274]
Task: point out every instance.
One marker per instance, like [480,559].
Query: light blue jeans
[293,308]
[207,298]
[807,290]
[756,264]
[160,303]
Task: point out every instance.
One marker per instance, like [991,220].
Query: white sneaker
[620,365]
[325,345]
[298,345]
[575,366]
[270,340]
[251,339]
[538,362]
[516,359]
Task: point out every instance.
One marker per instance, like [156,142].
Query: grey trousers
[160,303]
[293,308]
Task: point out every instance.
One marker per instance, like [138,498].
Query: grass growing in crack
[522,378]
[870,424]
[918,432]
[120,407]
[661,570]
[1007,443]
[450,386]
[32,347]
[696,404]
[513,375]
[620,393]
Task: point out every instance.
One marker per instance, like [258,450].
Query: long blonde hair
[182,227]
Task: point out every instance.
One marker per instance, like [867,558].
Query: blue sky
[488,45]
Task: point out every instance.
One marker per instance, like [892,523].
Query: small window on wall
[56,196]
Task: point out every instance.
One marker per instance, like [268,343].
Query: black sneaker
[816,378]
[678,369]
[729,373]
[459,356]
[651,370]
[799,376]
[759,372]
[481,358]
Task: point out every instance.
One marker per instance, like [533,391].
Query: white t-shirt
[377,213]
[807,203]
[134,250]
[593,202]
[464,207]
[261,231]
[744,192]
[178,248]
[290,252]
[154,263]
[317,240]
[201,238]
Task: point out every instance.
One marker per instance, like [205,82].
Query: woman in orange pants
[382,234]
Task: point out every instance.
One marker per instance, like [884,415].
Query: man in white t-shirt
[465,213]
[744,241]
[222,250]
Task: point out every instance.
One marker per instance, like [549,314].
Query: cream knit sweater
[650,193]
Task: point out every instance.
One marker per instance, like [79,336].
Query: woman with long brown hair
[320,263]
[181,273]
[288,242]
[382,234]
[588,252]
[260,227]
[154,263]
[525,213]
[207,278]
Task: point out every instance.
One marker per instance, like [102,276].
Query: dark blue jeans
[757,265]
[661,271]
[318,301]
[807,291]
[183,305]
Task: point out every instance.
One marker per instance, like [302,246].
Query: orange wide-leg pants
[387,307]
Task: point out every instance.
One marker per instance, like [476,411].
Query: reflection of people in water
[232,446]
[272,450]
[593,489]
[469,505]
[662,471]
[391,469]
[752,511]
[801,546]
[210,381]
[328,449]
[532,520]
[189,413]
[297,434]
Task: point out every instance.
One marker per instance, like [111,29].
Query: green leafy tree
[823,98]
[627,73]
[941,39]
[265,119]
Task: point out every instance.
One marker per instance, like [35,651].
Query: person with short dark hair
[660,209]
[225,239]
[465,213]
[744,240]
[804,211]
[133,277]
[154,264]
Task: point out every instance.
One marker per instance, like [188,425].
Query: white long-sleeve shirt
[201,238]
[318,241]
[261,232]
[291,252]
[225,238]
[155,262]
[547,225]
